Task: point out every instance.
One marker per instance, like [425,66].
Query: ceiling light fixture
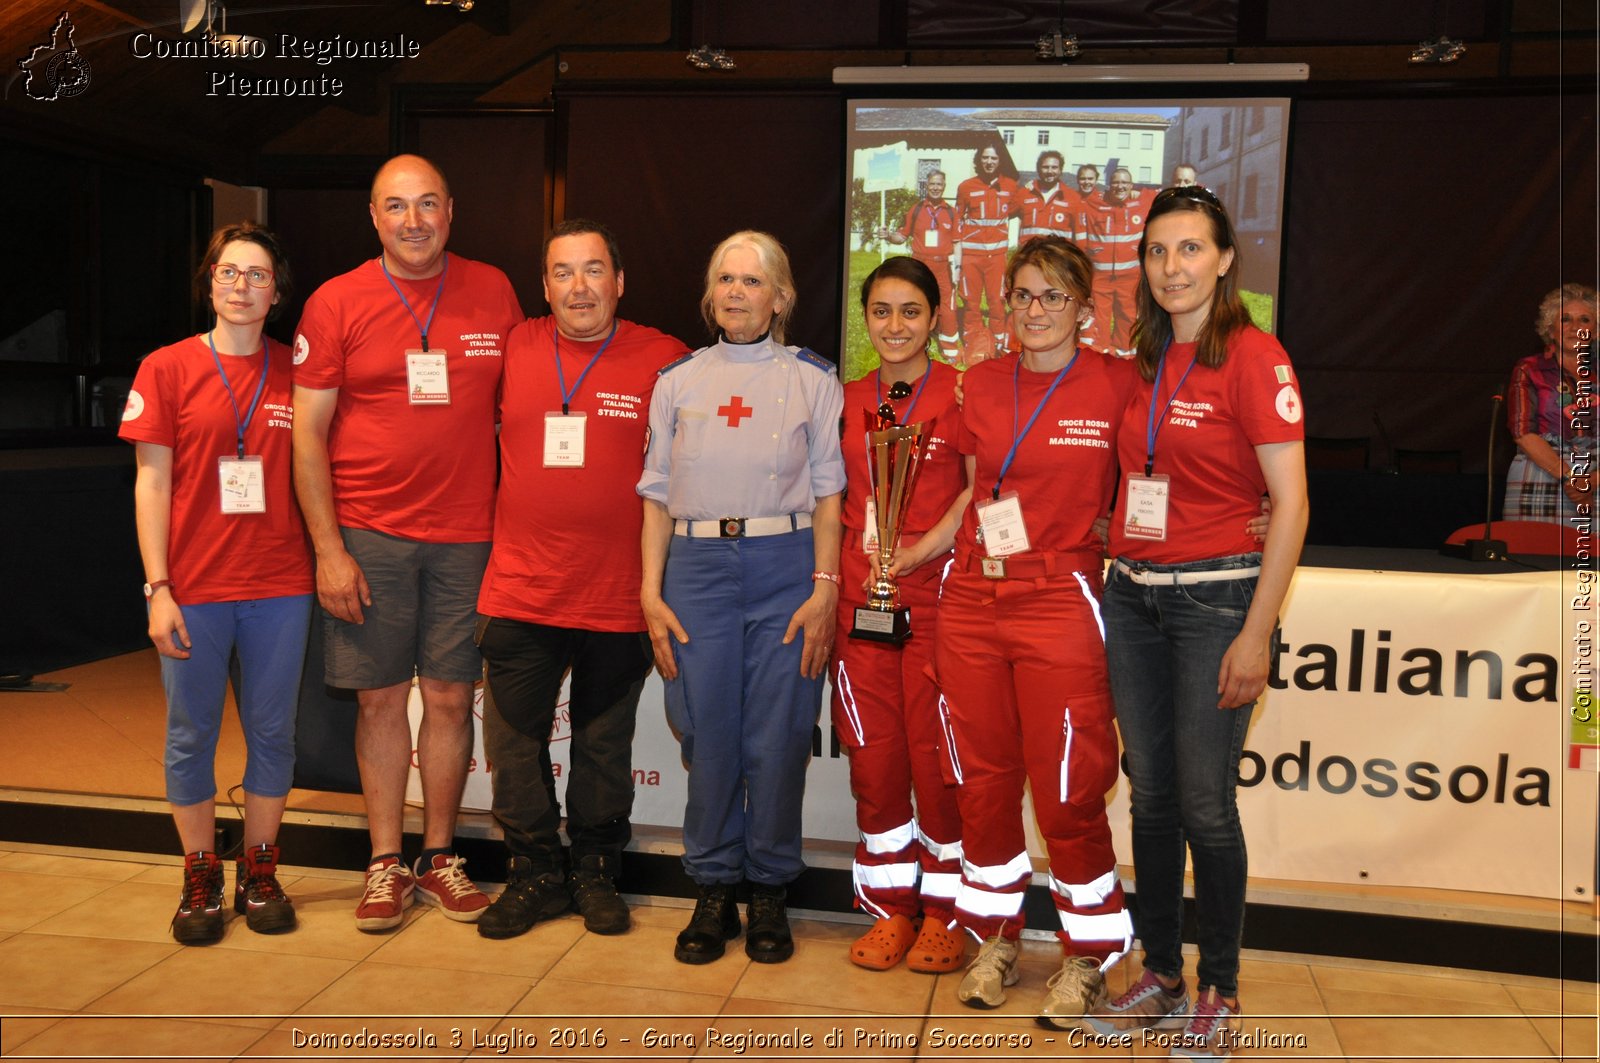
[1440,51]
[706,57]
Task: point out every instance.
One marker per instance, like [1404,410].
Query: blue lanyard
[926,373]
[422,326]
[561,378]
[255,403]
[1017,437]
[1151,424]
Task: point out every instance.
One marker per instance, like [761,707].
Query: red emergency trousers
[886,713]
[1021,659]
[1022,665]
[930,233]
[1113,246]
[985,211]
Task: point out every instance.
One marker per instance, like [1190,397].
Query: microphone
[1488,548]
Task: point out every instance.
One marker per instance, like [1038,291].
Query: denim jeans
[1165,646]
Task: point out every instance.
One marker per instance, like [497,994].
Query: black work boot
[527,899]
[714,923]
[594,894]
[768,939]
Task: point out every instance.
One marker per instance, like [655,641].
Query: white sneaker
[989,974]
[1076,988]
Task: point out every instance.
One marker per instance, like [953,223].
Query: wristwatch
[151,588]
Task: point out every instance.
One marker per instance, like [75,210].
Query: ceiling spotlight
[706,57]
[1443,50]
[1057,46]
[462,6]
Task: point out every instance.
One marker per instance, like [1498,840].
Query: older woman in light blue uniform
[741,489]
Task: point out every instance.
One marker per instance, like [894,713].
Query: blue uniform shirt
[744,430]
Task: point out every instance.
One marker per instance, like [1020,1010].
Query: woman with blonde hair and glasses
[1020,655]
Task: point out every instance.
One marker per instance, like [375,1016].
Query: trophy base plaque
[875,625]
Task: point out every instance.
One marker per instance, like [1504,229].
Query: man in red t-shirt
[930,229]
[397,368]
[562,588]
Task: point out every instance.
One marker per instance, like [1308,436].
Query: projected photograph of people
[961,186]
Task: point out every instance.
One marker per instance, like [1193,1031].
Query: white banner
[1416,732]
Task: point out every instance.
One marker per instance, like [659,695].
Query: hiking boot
[446,886]
[987,976]
[1077,988]
[1212,1030]
[387,895]
[767,938]
[714,923]
[594,894]
[199,917]
[1146,1005]
[257,895]
[527,899]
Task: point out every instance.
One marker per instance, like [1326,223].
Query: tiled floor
[88,969]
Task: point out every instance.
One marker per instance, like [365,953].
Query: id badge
[243,486]
[1147,507]
[930,238]
[869,536]
[1004,532]
[563,440]
[427,378]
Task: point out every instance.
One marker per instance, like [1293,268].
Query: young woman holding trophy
[885,703]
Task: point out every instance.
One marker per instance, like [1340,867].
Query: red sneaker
[387,896]
[446,886]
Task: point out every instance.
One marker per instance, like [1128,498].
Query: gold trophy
[896,454]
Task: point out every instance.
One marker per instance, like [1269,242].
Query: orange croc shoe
[884,945]
[937,949]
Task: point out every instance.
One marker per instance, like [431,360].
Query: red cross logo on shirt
[735,411]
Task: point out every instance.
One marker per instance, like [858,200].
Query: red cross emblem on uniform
[735,411]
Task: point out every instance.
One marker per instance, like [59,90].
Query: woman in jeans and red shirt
[1192,600]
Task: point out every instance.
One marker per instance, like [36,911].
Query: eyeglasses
[1193,193]
[900,389]
[1052,300]
[226,274]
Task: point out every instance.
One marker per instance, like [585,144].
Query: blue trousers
[269,635]
[1165,648]
[743,712]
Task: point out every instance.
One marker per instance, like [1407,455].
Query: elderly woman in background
[741,489]
[1554,468]
[227,569]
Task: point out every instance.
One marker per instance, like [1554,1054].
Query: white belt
[741,527]
[1147,578]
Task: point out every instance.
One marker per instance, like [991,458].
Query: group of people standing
[966,245]
[708,514]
